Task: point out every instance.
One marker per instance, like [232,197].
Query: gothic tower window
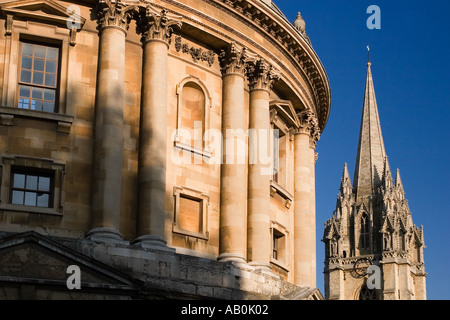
[367,294]
[364,236]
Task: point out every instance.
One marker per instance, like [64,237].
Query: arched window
[193,113]
[194,103]
[364,232]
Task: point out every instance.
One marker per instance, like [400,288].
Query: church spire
[371,153]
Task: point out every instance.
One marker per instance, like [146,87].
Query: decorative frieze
[156,25]
[197,54]
[261,75]
[115,13]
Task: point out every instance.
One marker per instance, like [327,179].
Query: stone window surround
[278,121]
[283,262]
[30,30]
[7,161]
[196,195]
[204,152]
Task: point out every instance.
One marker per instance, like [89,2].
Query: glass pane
[32,182]
[50,80]
[44,183]
[42,200]
[36,105]
[49,107]
[30,198]
[24,103]
[27,49]
[24,91]
[37,93]
[19,180]
[27,63]
[50,66]
[49,95]
[39,64]
[25,76]
[39,51]
[38,78]
[52,53]
[17,197]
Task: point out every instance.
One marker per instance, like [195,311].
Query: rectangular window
[190,214]
[38,77]
[32,188]
[278,245]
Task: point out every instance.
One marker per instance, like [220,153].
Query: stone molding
[156,25]
[261,75]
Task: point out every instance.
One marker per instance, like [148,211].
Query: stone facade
[111,123]
[372,226]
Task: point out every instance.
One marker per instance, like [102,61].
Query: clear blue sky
[410,66]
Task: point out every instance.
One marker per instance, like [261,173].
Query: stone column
[304,200]
[113,20]
[233,202]
[261,75]
[156,30]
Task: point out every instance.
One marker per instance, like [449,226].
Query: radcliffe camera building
[110,117]
[372,225]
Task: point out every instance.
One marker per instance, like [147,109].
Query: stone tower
[372,225]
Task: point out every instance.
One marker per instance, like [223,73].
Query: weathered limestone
[156,30]
[113,19]
[233,206]
[261,76]
[304,200]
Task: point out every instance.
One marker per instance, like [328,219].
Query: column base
[106,235]
[152,243]
[263,268]
[234,257]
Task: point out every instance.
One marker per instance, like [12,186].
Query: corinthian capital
[234,59]
[156,25]
[309,125]
[261,75]
[115,13]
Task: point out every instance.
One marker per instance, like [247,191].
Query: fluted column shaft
[304,201]
[108,142]
[261,76]
[156,31]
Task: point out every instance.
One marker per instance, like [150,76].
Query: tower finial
[368,55]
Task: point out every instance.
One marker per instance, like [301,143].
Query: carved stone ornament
[261,75]
[234,59]
[309,124]
[157,25]
[197,54]
[115,13]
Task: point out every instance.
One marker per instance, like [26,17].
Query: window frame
[196,195]
[56,168]
[56,88]
[40,173]
[204,151]
[280,236]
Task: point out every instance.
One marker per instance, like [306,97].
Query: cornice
[295,44]
[306,62]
